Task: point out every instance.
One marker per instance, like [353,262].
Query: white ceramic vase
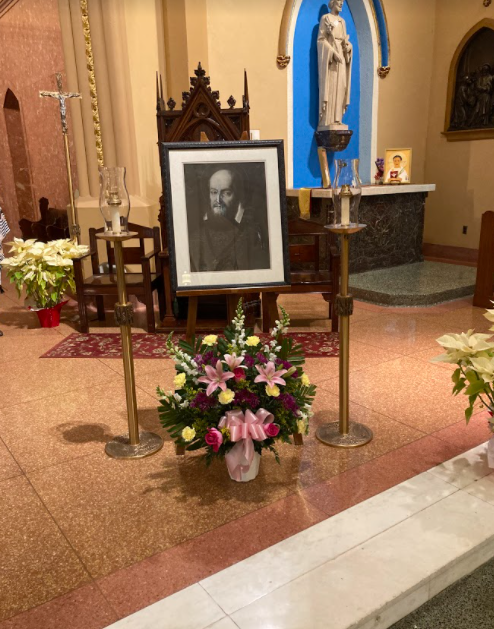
[252,472]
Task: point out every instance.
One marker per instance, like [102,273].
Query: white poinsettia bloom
[484,367]
[463,346]
[489,315]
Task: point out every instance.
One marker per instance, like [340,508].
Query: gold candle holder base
[121,448]
[358,435]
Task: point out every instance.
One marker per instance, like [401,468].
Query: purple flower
[244,397]
[285,363]
[203,402]
[261,358]
[208,358]
[249,361]
[289,402]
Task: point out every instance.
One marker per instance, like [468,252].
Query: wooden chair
[53,224]
[305,247]
[141,284]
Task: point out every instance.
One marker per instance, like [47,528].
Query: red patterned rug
[107,345]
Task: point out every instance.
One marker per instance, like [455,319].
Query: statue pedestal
[334,140]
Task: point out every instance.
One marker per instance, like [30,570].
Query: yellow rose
[272,391]
[210,339]
[188,433]
[301,426]
[179,380]
[225,397]
[305,380]
[253,341]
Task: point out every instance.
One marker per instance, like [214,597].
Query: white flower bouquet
[237,395]
[44,270]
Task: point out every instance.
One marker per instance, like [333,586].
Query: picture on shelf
[226,211]
[398,166]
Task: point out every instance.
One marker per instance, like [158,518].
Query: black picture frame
[167,148]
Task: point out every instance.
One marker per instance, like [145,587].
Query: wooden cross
[61,97]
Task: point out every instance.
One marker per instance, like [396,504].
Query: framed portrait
[226,212]
[398,166]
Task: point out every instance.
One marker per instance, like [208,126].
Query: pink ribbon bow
[243,430]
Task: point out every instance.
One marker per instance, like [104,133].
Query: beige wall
[144,17]
[235,43]
[404,95]
[460,169]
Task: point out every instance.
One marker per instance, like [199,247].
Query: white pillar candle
[115,220]
[255,134]
[345,210]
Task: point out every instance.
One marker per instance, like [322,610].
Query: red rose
[214,438]
[272,430]
[239,373]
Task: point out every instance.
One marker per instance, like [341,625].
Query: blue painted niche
[306,170]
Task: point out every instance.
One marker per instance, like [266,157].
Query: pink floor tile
[467,436]
[142,584]
[84,608]
[354,486]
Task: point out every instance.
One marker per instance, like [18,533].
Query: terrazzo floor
[87,540]
[468,604]
[420,284]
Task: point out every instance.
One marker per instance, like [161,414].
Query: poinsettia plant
[44,270]
[234,386]
[474,377]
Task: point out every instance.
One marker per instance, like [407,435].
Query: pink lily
[269,375]
[215,378]
[233,361]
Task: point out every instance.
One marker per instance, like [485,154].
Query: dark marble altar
[394,232]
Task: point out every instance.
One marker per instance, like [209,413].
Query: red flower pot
[50,317]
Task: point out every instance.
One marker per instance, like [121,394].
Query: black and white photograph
[227,217]
[226,211]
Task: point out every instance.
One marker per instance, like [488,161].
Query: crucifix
[62,96]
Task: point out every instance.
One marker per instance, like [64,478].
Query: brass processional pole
[346,199]
[61,96]
[135,444]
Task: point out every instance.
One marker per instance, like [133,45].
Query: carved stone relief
[473,96]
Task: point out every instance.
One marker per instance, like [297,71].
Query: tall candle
[345,210]
[115,220]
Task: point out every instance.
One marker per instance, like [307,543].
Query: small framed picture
[226,213]
[398,166]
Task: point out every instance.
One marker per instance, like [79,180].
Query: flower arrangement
[44,270]
[379,176]
[235,395]
[474,355]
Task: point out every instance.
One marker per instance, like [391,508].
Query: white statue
[334,52]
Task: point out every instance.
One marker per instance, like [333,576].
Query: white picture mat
[267,155]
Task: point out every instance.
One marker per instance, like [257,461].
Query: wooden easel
[269,308]
[484,287]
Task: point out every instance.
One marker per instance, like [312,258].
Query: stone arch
[19,158]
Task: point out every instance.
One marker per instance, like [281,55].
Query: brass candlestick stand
[62,96]
[344,433]
[135,445]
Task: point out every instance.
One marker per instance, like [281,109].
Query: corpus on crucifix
[62,96]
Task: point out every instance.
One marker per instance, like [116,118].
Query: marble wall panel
[31,45]
[394,232]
